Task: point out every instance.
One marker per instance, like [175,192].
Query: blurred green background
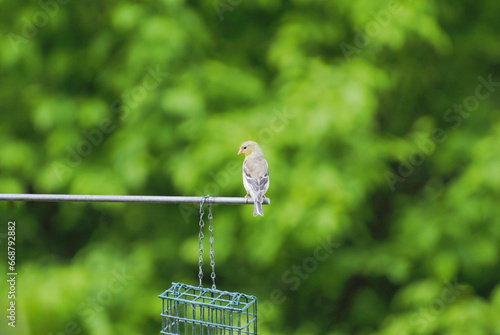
[379,120]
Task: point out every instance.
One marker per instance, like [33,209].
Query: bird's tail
[257,208]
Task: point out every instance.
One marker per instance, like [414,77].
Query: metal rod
[127,198]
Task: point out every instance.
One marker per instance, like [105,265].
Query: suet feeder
[188,309]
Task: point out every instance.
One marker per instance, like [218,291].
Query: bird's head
[248,148]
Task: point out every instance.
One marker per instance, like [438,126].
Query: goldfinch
[255,174]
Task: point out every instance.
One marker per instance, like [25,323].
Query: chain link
[201,236]
[212,260]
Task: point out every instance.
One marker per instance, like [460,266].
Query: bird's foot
[246,199]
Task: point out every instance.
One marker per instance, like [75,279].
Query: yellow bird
[255,174]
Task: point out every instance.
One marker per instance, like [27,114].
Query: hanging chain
[212,260]
[201,236]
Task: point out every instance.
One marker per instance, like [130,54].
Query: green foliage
[379,120]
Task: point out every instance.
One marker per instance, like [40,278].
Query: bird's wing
[256,174]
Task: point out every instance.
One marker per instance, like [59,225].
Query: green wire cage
[193,310]
[188,309]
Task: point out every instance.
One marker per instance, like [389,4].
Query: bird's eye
[244,148]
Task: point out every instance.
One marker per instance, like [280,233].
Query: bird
[255,174]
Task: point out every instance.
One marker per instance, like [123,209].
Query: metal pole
[127,198]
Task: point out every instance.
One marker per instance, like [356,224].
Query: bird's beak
[240,152]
